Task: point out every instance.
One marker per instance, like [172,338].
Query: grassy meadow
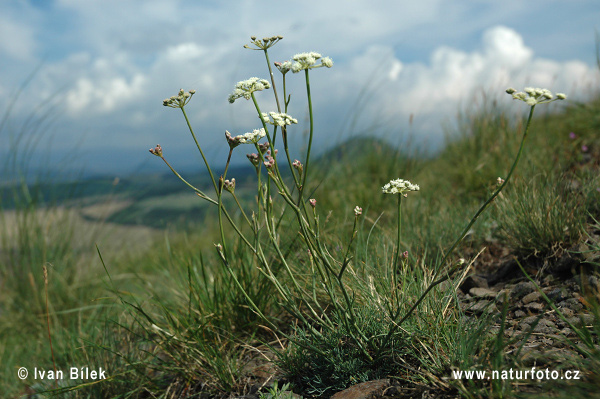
[319,296]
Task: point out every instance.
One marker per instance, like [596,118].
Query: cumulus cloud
[434,90]
[16,38]
[391,62]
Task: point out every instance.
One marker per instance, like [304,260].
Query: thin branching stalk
[459,240]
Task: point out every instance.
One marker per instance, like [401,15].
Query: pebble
[534,306]
[521,289]
[364,390]
[473,281]
[482,293]
[545,326]
[531,297]
[557,295]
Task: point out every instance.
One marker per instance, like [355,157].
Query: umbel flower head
[156,151]
[399,186]
[279,119]
[264,43]
[246,138]
[304,61]
[245,88]
[180,100]
[284,67]
[533,96]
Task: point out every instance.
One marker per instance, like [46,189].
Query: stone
[571,303]
[482,293]
[567,312]
[545,326]
[531,297]
[521,289]
[534,307]
[482,307]
[502,297]
[557,295]
[364,390]
[473,281]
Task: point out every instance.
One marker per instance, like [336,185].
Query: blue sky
[102,68]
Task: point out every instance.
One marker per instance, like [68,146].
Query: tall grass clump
[354,307]
[48,285]
[541,216]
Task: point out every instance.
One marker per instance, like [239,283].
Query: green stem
[457,242]
[200,193]
[310,137]
[200,149]
[220,200]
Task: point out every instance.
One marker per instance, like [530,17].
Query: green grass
[169,320]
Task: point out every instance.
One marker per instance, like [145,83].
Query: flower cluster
[279,119]
[298,166]
[284,67]
[245,88]
[246,138]
[357,211]
[269,160]
[399,186]
[229,185]
[304,61]
[532,96]
[156,151]
[180,100]
[264,43]
[254,158]
[312,202]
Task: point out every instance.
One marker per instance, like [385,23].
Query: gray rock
[531,297]
[558,295]
[571,303]
[482,293]
[482,307]
[545,326]
[473,281]
[534,307]
[567,312]
[365,390]
[521,289]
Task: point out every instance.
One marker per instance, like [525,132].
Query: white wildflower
[533,96]
[246,138]
[245,88]
[284,67]
[279,119]
[399,186]
[304,61]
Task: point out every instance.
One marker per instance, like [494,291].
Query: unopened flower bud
[156,151]
[229,185]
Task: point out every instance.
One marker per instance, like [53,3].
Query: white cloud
[17,39]
[403,57]
[453,75]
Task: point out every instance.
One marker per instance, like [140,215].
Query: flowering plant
[260,231]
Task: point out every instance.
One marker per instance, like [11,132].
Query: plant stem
[310,137]
[200,149]
[457,242]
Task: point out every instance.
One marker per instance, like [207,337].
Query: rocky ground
[531,327]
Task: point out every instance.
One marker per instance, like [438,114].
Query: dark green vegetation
[166,320]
